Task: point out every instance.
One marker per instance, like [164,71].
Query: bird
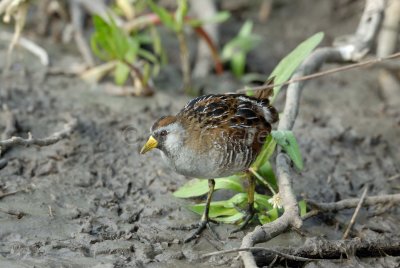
[213,136]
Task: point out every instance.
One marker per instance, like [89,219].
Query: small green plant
[236,50]
[126,44]
[176,23]
[268,207]
[121,52]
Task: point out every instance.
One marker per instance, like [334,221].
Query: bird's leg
[204,218]
[249,213]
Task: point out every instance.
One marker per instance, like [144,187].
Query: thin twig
[10,193]
[266,183]
[281,254]
[54,138]
[353,202]
[355,214]
[324,73]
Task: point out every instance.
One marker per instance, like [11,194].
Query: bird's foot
[203,224]
[249,215]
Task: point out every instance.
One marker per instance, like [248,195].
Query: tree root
[317,248]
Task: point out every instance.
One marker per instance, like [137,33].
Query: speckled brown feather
[226,117]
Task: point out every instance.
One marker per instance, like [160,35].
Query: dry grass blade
[353,218]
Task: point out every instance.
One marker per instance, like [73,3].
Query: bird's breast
[215,163]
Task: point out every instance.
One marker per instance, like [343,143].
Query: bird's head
[166,135]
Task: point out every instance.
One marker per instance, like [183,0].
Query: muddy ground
[93,201]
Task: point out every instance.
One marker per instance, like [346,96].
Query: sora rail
[215,136]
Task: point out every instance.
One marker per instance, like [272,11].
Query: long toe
[201,226]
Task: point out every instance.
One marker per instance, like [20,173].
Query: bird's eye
[164,133]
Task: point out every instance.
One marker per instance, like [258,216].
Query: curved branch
[352,48]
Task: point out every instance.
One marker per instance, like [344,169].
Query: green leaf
[288,142]
[143,38]
[237,49]
[231,219]
[268,174]
[215,211]
[146,72]
[110,42]
[156,41]
[236,200]
[121,73]
[239,44]
[198,187]
[249,91]
[266,152]
[148,56]
[286,67]
[262,201]
[166,18]
[246,28]
[98,41]
[273,213]
[219,208]
[218,18]
[303,207]
[180,14]
[263,219]
[238,64]
[131,53]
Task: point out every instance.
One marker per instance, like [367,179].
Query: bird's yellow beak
[150,144]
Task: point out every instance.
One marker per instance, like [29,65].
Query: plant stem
[146,89]
[144,20]
[185,62]
[219,69]
[255,173]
